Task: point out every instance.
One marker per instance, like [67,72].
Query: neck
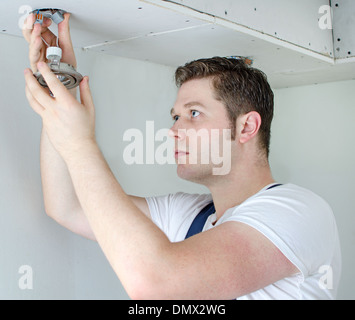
[242,183]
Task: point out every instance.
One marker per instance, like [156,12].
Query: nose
[176,132]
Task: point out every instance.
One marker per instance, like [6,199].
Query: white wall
[311,145]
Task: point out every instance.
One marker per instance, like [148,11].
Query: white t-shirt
[297,221]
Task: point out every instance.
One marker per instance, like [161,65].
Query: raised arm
[60,199]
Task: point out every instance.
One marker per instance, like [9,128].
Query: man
[262,241]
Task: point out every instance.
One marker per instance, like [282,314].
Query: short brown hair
[240,87]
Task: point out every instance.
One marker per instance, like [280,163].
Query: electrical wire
[45,42]
[57,38]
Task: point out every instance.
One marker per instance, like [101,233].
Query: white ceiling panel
[344,28]
[167,33]
[94,22]
[290,20]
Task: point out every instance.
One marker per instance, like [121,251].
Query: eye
[175,118]
[195,113]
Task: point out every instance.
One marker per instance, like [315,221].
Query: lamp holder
[66,73]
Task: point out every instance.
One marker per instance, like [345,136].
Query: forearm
[129,239]
[58,191]
[60,199]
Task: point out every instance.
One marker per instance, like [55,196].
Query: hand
[69,124]
[37,47]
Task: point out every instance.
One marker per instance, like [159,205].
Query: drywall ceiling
[285,41]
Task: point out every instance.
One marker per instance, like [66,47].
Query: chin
[194,173]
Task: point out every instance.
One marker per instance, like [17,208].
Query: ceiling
[284,41]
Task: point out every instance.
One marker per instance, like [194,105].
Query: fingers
[37,49]
[34,33]
[28,26]
[64,30]
[36,94]
[40,31]
[59,91]
[85,94]
[65,41]
[36,106]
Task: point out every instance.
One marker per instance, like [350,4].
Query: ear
[249,125]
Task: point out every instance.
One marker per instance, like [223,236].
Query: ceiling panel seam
[151,34]
[198,14]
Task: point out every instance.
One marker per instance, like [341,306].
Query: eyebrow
[189,105]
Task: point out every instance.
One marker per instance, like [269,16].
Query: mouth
[179,153]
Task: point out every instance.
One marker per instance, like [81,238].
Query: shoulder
[298,221]
[302,207]
[290,201]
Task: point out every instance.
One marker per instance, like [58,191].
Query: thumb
[85,94]
[64,30]
[65,41]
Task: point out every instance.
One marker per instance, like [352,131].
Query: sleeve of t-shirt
[174,213]
[299,223]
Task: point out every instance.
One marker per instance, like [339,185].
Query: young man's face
[201,131]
